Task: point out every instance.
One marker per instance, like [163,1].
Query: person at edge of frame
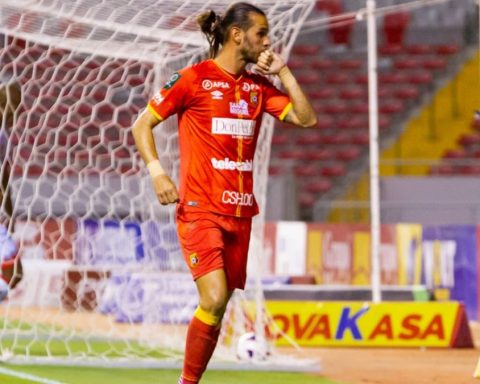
[11,271]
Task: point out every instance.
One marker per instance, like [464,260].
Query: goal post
[104,280]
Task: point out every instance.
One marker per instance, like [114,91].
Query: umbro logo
[217,95]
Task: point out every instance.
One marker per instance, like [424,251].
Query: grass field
[81,375]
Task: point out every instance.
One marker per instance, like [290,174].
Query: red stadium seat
[337,107]
[407,63]
[448,49]
[434,64]
[306,171]
[469,139]
[348,153]
[322,93]
[353,92]
[337,78]
[419,49]
[394,27]
[352,123]
[280,139]
[390,49]
[350,64]
[322,64]
[391,106]
[309,78]
[306,49]
[335,170]
[325,122]
[406,92]
[321,154]
[309,138]
[291,154]
[306,200]
[318,186]
[420,78]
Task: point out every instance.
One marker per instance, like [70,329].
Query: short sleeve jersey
[219,118]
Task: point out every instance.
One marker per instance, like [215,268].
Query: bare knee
[214,301]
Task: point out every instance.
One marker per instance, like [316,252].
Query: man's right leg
[204,329]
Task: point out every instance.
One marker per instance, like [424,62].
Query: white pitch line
[26,376]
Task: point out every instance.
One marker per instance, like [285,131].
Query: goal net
[104,280]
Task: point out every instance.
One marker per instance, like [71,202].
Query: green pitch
[77,375]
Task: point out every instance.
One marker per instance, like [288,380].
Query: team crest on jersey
[254,97]
[194,260]
[173,79]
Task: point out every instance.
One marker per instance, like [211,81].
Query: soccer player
[219,106]
[10,264]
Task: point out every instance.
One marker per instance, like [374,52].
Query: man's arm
[302,113]
[165,188]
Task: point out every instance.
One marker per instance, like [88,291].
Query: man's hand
[269,63]
[165,189]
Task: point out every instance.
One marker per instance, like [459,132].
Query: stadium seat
[336,107]
[306,200]
[389,107]
[325,122]
[353,92]
[390,49]
[280,139]
[348,153]
[434,64]
[322,64]
[322,93]
[406,92]
[337,78]
[306,49]
[334,170]
[318,186]
[321,154]
[309,138]
[350,64]
[307,171]
[447,49]
[309,78]
[291,154]
[419,49]
[394,27]
[352,123]
[420,78]
[407,63]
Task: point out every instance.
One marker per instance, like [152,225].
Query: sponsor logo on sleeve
[230,165]
[173,79]
[157,99]
[233,127]
[209,84]
[237,198]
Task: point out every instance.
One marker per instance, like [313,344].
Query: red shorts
[211,241]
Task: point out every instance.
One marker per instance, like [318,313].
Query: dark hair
[216,27]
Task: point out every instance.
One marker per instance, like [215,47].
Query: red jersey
[219,118]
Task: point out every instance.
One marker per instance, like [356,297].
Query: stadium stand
[334,75]
[331,67]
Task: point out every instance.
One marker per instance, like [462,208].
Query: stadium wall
[443,259]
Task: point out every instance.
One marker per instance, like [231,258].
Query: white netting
[104,276]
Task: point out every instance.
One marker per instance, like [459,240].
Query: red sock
[201,342]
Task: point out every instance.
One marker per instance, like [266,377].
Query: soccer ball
[251,348]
